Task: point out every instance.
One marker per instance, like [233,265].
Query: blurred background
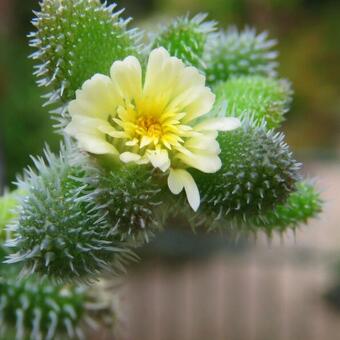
[206,288]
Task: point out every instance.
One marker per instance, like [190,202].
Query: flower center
[149,126]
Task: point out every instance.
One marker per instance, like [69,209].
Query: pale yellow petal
[89,137]
[179,178]
[202,105]
[127,76]
[191,95]
[176,87]
[162,75]
[145,140]
[106,127]
[97,98]
[204,143]
[95,144]
[174,182]
[208,162]
[159,159]
[92,142]
[219,123]
[126,114]
[190,77]
[83,124]
[127,157]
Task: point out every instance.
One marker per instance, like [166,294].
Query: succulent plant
[132,196]
[186,38]
[36,308]
[301,205]
[40,310]
[141,130]
[236,53]
[261,98]
[60,231]
[258,172]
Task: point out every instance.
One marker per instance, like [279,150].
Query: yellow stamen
[149,126]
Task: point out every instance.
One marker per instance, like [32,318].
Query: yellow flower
[154,119]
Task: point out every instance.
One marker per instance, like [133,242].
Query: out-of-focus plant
[22,115]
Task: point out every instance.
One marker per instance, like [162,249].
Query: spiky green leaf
[303,204]
[132,196]
[38,309]
[258,172]
[60,231]
[259,97]
[235,53]
[186,38]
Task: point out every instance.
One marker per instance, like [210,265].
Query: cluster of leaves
[38,308]
[60,229]
[73,41]
[79,216]
[264,98]
[258,172]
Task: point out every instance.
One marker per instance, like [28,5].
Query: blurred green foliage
[25,125]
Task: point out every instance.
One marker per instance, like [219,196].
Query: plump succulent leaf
[60,231]
[235,53]
[39,309]
[132,196]
[186,38]
[77,219]
[74,39]
[259,97]
[303,204]
[36,308]
[258,172]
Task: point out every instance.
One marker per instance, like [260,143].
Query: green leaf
[186,38]
[303,204]
[133,197]
[259,97]
[258,172]
[61,230]
[38,309]
[235,53]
